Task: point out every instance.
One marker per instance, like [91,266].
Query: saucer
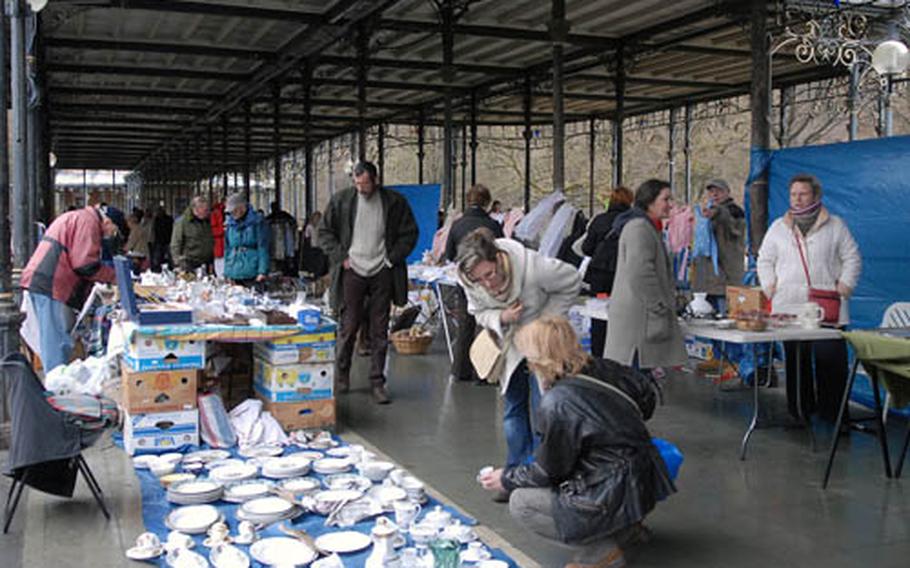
[475,555]
[137,553]
[209,543]
[245,539]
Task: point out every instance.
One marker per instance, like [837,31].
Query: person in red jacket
[217,222]
[61,271]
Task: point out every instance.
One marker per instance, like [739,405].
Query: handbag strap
[610,387]
[802,257]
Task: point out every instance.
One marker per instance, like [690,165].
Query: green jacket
[192,244]
[336,233]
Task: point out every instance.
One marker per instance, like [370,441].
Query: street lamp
[890,58]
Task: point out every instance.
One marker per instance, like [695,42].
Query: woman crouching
[596,474]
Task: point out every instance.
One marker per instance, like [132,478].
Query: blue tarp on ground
[424,200]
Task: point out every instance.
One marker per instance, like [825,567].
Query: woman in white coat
[809,232]
[643,330]
[507,286]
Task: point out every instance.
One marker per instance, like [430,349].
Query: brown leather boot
[612,559]
[381,395]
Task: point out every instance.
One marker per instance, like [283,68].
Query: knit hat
[234,200]
[116,216]
[719,184]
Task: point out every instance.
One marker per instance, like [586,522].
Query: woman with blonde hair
[596,474]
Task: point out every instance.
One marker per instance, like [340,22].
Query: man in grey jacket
[728,223]
[367,232]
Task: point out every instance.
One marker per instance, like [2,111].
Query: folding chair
[45,445]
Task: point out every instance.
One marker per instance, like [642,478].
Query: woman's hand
[844,290]
[511,314]
[492,481]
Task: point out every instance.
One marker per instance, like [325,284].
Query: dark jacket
[729,228]
[337,231]
[68,258]
[602,245]
[596,454]
[192,244]
[474,218]
[246,246]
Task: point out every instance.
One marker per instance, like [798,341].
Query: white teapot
[383,554]
[700,306]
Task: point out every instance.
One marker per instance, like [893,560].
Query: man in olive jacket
[367,232]
[192,244]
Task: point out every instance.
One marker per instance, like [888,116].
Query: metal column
[380,150]
[20,210]
[309,202]
[558,30]
[246,150]
[786,99]
[34,100]
[276,123]
[224,155]
[671,149]
[687,151]
[420,151]
[759,99]
[887,111]
[526,103]
[620,87]
[852,103]
[464,163]
[363,47]
[448,77]
[473,138]
[592,156]
[5,260]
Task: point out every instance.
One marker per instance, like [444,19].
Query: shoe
[501,497]
[344,385]
[612,559]
[381,395]
[633,535]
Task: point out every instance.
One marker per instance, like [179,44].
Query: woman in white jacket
[507,286]
[833,263]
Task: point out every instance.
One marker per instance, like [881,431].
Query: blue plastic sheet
[155,508]
[671,455]
[424,201]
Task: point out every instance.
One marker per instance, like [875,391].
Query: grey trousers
[532,508]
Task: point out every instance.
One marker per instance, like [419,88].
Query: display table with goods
[316,501]
[427,283]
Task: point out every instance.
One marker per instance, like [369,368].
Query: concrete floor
[766,511]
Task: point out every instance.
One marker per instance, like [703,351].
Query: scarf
[806,217]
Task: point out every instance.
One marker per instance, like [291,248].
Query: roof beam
[500,32]
[138,70]
[157,47]
[223,10]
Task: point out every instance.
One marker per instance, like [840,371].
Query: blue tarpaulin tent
[424,200]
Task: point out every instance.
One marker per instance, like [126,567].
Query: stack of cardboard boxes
[295,377]
[159,378]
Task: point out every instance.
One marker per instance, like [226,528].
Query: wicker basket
[407,344]
[751,325]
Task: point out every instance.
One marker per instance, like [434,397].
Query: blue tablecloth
[156,507]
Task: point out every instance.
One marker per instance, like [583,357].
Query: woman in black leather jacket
[596,474]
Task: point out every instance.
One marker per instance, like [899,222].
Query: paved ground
[766,511]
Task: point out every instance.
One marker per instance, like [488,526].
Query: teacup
[405,513]
[148,541]
[438,517]
[397,476]
[218,532]
[414,487]
[176,539]
[810,315]
[423,534]
[475,552]
[484,471]
[457,531]
[375,470]
[246,533]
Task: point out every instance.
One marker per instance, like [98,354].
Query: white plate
[266,506]
[193,519]
[332,465]
[311,455]
[171,457]
[248,488]
[143,462]
[223,463]
[137,553]
[343,542]
[348,481]
[195,487]
[337,495]
[262,451]
[299,484]
[207,455]
[228,556]
[281,550]
[233,472]
[492,564]
[343,451]
[186,559]
[388,494]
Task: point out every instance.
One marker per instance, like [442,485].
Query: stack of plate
[269,450]
[327,466]
[194,492]
[233,472]
[243,491]
[286,467]
[279,551]
[219,463]
[206,456]
[348,481]
[267,510]
[300,485]
[194,519]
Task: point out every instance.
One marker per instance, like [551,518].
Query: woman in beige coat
[643,330]
[507,286]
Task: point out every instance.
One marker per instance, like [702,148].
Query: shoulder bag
[828,300]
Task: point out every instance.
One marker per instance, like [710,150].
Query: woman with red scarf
[643,329]
[810,248]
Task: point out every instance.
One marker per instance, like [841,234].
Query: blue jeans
[54,318]
[522,397]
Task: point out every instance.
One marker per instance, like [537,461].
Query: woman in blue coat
[246,243]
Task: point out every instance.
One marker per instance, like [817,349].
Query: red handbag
[828,300]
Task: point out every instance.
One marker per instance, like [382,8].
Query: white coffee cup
[148,541]
[176,539]
[405,513]
[484,471]
[810,315]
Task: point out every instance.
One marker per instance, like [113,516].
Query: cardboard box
[149,353]
[303,415]
[746,299]
[158,391]
[324,334]
[318,352]
[158,431]
[293,383]
[698,348]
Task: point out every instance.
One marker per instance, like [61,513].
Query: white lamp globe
[37,5]
[890,57]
